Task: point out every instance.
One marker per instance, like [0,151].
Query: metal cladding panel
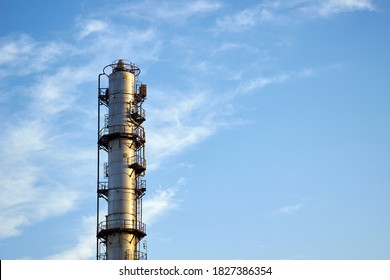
[121,181]
[121,81]
[119,174]
[121,95]
[119,244]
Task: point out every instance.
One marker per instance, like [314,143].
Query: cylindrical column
[122,200]
[123,138]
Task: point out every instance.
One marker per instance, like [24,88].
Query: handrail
[138,110]
[103,185]
[133,130]
[123,224]
[141,184]
[123,65]
[130,255]
[135,255]
[137,159]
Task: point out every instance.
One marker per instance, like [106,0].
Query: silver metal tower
[121,141]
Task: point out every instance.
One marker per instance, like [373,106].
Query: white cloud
[143,43]
[22,55]
[287,12]
[263,81]
[306,73]
[28,138]
[37,167]
[57,91]
[26,200]
[85,247]
[203,6]
[167,11]
[161,201]
[291,208]
[245,19]
[32,190]
[331,7]
[227,46]
[180,124]
[12,49]
[91,26]
[158,204]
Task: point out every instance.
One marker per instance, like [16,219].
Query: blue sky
[267,126]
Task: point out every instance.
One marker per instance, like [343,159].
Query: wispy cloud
[166,11]
[184,10]
[31,192]
[26,201]
[157,204]
[91,26]
[290,208]
[287,12]
[12,50]
[331,7]
[34,56]
[85,248]
[178,125]
[245,19]
[203,6]
[37,148]
[263,81]
[162,201]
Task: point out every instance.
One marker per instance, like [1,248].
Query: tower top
[122,65]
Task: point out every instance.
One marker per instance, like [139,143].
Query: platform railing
[135,255]
[122,224]
[136,162]
[137,131]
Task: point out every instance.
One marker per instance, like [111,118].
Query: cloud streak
[92,26]
[332,7]
[290,209]
[169,12]
[178,125]
[260,82]
[21,55]
[286,12]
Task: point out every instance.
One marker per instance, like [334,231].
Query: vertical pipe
[98,172]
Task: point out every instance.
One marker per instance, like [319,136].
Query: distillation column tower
[121,141]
